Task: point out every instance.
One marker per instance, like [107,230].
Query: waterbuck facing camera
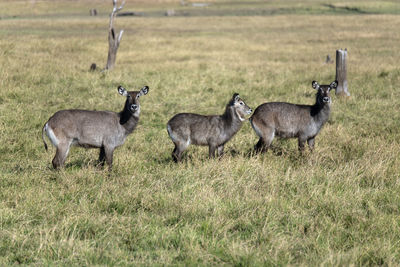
[93,129]
[212,131]
[288,120]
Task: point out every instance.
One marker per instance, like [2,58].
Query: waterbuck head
[323,94]
[132,99]
[241,109]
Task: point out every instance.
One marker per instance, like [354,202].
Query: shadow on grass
[85,163]
[293,157]
[274,150]
[187,157]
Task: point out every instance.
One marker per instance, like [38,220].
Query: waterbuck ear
[334,85]
[315,85]
[122,91]
[133,107]
[236,97]
[143,91]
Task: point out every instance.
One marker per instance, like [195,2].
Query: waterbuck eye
[241,103]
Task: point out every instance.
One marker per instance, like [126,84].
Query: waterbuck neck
[231,118]
[128,120]
[320,112]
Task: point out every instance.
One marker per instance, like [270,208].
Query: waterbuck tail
[43,131]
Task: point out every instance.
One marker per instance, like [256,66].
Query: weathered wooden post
[113,41]
[341,73]
[93,67]
[93,12]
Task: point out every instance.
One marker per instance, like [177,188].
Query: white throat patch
[240,118]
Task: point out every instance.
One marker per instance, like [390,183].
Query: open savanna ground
[339,205]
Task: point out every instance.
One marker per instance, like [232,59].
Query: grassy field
[339,205]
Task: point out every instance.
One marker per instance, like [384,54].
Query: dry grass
[336,206]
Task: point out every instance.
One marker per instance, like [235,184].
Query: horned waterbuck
[290,120]
[93,129]
[212,131]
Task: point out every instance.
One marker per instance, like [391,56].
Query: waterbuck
[212,131]
[290,120]
[93,129]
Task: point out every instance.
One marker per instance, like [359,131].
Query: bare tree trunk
[113,41]
[341,72]
[93,12]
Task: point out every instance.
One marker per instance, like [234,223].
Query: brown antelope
[212,131]
[93,129]
[290,120]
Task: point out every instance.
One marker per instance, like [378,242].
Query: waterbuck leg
[179,148]
[109,156]
[260,146]
[302,142]
[211,151]
[61,155]
[220,150]
[311,142]
[175,154]
[102,156]
[265,141]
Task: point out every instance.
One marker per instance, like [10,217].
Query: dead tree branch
[113,41]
